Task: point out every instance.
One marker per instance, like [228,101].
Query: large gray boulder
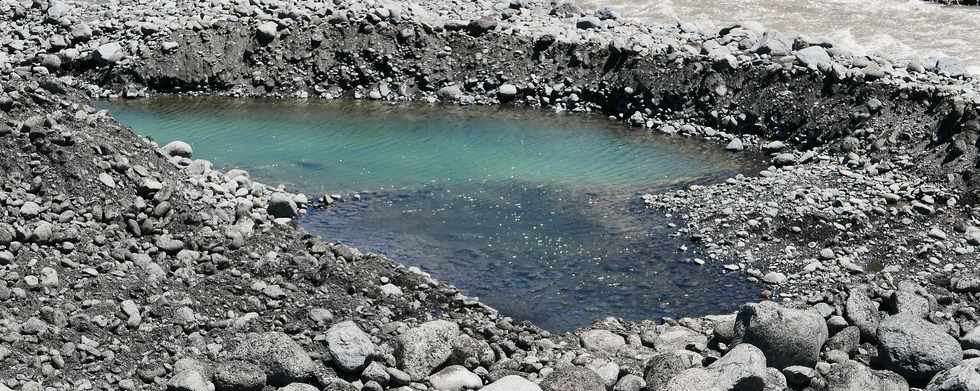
[862,312]
[424,348]
[283,360]
[787,336]
[963,377]
[350,347]
[916,348]
[573,378]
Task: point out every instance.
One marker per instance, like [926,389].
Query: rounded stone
[350,347]
[916,348]
[573,378]
[178,148]
[787,336]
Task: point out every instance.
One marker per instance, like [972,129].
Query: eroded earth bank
[131,266]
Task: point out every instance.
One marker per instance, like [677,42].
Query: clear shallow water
[897,28]
[536,213]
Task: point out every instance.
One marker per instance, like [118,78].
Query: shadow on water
[558,257]
[536,213]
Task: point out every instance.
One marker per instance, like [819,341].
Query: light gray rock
[815,57]
[450,93]
[507,91]
[424,348]
[916,348]
[588,23]
[735,145]
[283,360]
[109,53]
[349,346]
[267,32]
[963,377]
[774,44]
[376,372]
[602,340]
[58,10]
[679,338]
[178,148]
[787,336]
[81,32]
[512,383]
[862,312]
[607,370]
[189,380]
[299,387]
[455,378]
[51,61]
[909,301]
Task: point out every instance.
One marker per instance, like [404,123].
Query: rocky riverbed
[127,265]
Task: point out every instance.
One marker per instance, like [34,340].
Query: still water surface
[536,213]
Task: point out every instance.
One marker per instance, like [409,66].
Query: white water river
[900,29]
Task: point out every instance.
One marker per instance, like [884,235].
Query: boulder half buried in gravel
[787,336]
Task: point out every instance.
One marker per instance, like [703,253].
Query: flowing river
[895,28]
[536,213]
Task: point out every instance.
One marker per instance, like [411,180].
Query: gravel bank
[127,265]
